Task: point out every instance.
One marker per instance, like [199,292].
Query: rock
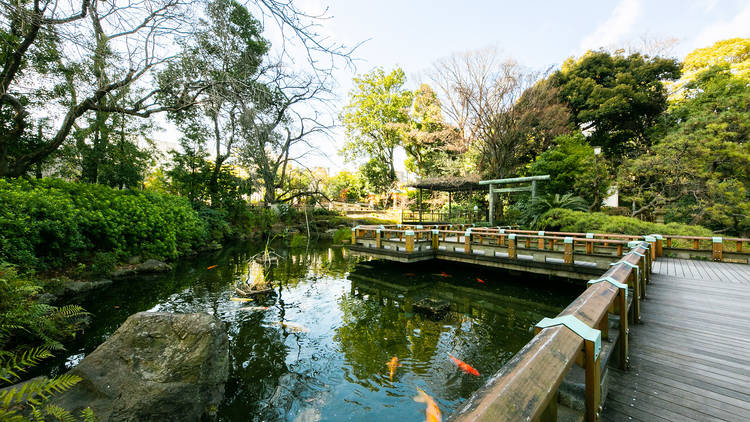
[432,308]
[153,266]
[156,366]
[134,260]
[150,266]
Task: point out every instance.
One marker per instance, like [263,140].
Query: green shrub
[341,235]
[103,264]
[298,241]
[51,223]
[584,222]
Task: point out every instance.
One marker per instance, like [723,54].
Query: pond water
[356,314]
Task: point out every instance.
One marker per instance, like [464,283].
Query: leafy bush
[298,241]
[28,331]
[583,222]
[50,223]
[103,263]
[342,234]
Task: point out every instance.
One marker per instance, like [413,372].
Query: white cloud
[619,24]
[738,26]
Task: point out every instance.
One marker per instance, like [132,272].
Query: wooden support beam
[593,382]
[512,246]
[378,239]
[717,247]
[568,251]
[409,241]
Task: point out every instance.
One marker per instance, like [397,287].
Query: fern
[9,370]
[69,311]
[58,413]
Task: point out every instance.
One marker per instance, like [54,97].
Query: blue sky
[538,34]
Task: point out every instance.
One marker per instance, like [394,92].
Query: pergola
[493,190]
[448,184]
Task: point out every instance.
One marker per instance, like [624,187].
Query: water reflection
[359,316]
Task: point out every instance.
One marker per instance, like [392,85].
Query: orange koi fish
[480,280]
[443,274]
[392,365]
[254,308]
[464,366]
[432,414]
[211,267]
[409,274]
[291,326]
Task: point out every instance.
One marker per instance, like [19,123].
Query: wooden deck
[690,357]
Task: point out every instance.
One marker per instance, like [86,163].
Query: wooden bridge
[661,339]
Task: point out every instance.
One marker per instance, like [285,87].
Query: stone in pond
[156,367]
[432,308]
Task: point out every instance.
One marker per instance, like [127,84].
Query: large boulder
[156,367]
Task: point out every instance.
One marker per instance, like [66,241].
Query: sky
[538,34]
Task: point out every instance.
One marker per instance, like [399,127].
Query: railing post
[669,242]
[592,343]
[512,246]
[652,245]
[540,243]
[409,234]
[467,241]
[378,241]
[528,242]
[549,414]
[593,382]
[435,239]
[354,235]
[568,251]
[501,240]
[590,243]
[659,244]
[717,246]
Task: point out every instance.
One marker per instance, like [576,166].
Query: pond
[344,319]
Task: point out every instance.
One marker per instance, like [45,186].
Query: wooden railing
[733,249]
[526,387]
[442,216]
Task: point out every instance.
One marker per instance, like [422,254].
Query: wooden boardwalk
[690,357]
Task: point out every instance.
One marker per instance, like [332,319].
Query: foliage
[298,241]
[49,223]
[346,186]
[541,204]
[26,322]
[377,102]
[28,331]
[596,222]
[430,143]
[700,171]
[342,235]
[617,98]
[569,164]
[734,52]
[377,176]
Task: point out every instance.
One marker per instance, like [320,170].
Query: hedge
[597,222]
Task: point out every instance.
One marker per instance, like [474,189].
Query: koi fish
[432,414]
[409,274]
[211,267]
[241,299]
[392,365]
[254,308]
[443,274]
[464,366]
[297,328]
[480,280]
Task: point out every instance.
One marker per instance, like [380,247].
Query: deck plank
[688,357]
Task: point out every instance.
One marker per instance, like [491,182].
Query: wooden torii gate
[493,190]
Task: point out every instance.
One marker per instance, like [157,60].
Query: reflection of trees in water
[378,323]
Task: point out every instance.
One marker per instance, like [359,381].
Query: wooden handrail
[527,384]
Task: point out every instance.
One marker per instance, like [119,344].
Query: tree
[346,186]
[734,52]
[276,132]
[501,110]
[431,144]
[378,104]
[54,60]
[617,98]
[700,171]
[224,56]
[569,164]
